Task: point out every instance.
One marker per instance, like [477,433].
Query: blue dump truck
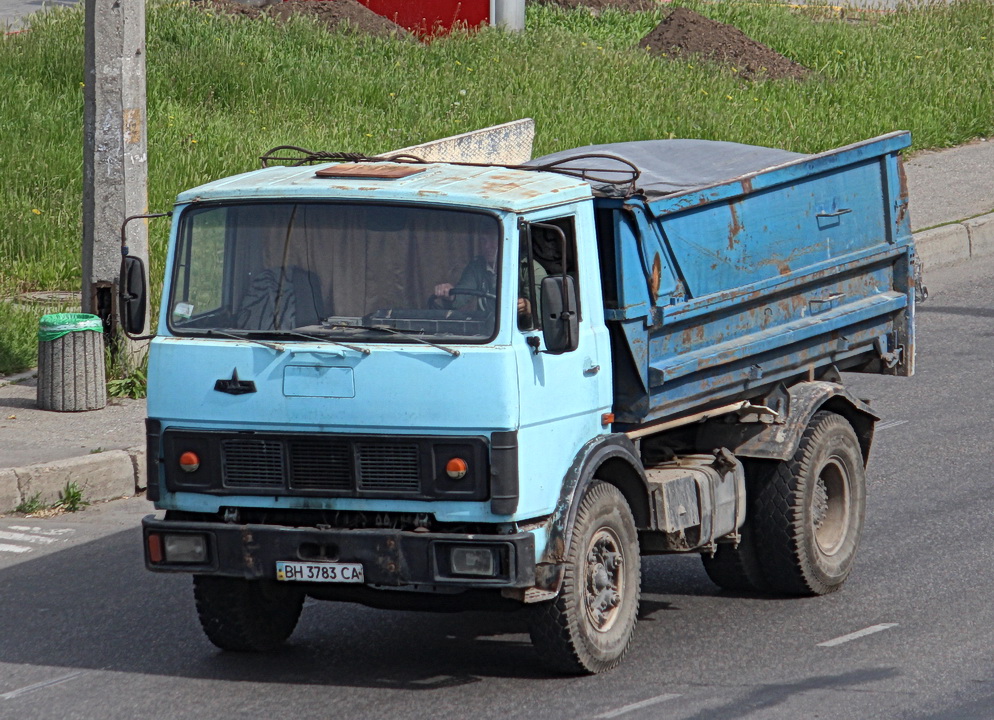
[447,386]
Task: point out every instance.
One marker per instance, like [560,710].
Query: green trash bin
[71,373]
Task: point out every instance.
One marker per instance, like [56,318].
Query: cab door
[562,396]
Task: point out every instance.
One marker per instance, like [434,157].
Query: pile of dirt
[684,32]
[331,13]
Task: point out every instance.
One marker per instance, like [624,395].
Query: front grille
[252,463]
[317,465]
[325,465]
[320,465]
[388,467]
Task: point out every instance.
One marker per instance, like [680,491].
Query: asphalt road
[86,632]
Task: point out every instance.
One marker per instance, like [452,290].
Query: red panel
[431,17]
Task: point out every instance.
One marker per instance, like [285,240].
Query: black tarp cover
[669,166]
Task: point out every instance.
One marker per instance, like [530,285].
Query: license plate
[319,572]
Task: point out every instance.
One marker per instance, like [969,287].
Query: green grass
[925,69]
[126,382]
[18,337]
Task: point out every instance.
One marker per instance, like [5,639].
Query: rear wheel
[589,627]
[809,512]
[246,615]
[736,568]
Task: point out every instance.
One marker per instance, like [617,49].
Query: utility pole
[115,154]
[508,14]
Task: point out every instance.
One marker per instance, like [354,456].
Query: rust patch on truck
[657,273]
[734,228]
[902,196]
[248,545]
[500,187]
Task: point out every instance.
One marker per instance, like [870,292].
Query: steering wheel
[472,291]
[444,303]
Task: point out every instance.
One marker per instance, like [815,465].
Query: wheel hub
[819,504]
[830,499]
[605,582]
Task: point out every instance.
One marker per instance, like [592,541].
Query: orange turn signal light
[456,468]
[155,553]
[189,461]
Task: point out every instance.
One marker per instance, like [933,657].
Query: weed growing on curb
[32,504]
[71,498]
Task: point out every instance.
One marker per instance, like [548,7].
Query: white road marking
[858,634]
[4,547]
[887,425]
[41,531]
[637,706]
[38,686]
[25,537]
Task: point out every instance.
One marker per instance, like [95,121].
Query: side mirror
[560,319]
[132,295]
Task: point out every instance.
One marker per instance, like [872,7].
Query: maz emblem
[234,386]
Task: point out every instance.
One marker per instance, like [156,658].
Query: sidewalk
[103,451]
[13,12]
[950,192]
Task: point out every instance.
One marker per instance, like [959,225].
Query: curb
[108,475]
[11,379]
[956,242]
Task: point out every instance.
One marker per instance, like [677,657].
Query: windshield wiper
[400,333]
[316,338]
[234,336]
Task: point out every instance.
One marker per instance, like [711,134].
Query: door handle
[843,211]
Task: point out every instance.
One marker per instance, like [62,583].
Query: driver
[480,275]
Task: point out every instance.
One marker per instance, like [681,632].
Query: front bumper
[390,558]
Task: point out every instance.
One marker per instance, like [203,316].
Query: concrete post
[508,14]
[115,170]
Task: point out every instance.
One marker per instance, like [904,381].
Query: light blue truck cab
[437,386]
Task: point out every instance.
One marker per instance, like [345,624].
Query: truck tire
[589,627]
[736,569]
[809,511]
[246,615]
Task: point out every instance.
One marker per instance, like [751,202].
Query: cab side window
[542,253]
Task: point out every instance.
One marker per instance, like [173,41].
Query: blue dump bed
[736,268]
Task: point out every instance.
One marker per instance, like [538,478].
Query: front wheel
[589,627]
[809,511]
[246,615]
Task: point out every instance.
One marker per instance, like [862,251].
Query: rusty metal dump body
[720,291]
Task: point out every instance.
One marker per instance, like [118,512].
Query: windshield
[331,270]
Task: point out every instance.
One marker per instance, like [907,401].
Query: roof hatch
[372,171]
